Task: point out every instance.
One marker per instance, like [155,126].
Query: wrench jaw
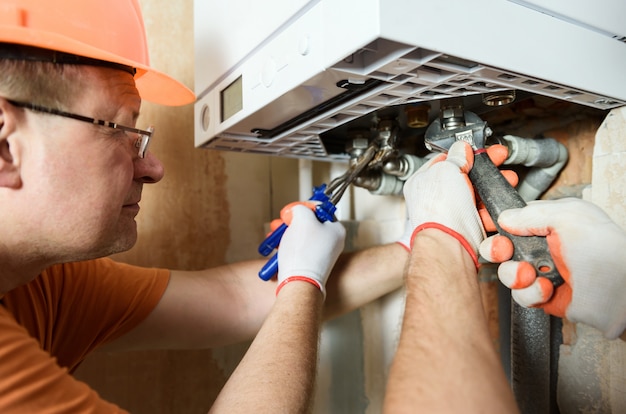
[472,130]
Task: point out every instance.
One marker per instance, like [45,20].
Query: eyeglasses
[141,143]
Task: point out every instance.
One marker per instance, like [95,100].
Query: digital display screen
[232,99]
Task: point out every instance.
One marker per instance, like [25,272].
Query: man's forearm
[360,277]
[229,303]
[445,360]
[277,374]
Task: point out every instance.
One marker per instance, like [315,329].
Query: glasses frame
[141,143]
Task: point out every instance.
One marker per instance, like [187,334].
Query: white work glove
[440,195]
[308,249]
[588,249]
[407,235]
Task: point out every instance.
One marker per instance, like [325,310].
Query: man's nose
[149,169]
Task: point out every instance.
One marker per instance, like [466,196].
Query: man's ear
[9,170]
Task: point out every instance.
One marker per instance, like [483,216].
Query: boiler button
[205,117]
[269,72]
[304,45]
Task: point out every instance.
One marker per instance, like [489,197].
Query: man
[72,169]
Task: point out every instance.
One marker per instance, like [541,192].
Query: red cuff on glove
[452,233]
[301,279]
[404,246]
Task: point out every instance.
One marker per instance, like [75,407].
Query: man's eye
[121,134]
[111,132]
[131,135]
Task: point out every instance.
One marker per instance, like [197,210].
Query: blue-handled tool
[328,197]
[325,211]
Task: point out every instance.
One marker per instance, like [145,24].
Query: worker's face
[86,180]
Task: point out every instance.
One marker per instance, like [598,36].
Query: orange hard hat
[109,31]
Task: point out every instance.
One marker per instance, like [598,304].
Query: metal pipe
[533,348]
[531,360]
[390,179]
[379,183]
[547,156]
[404,166]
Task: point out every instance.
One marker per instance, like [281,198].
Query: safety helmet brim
[153,85]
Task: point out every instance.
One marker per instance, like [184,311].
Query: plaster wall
[592,370]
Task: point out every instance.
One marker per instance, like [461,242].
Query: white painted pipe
[305,179]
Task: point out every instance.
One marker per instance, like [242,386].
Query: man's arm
[445,361]
[278,371]
[277,374]
[228,304]
[361,277]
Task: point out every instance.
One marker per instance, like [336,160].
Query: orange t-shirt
[48,326]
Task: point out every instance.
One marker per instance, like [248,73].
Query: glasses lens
[143,141]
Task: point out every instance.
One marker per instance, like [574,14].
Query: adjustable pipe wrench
[494,190]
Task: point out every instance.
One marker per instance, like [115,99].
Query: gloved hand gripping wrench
[494,190]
